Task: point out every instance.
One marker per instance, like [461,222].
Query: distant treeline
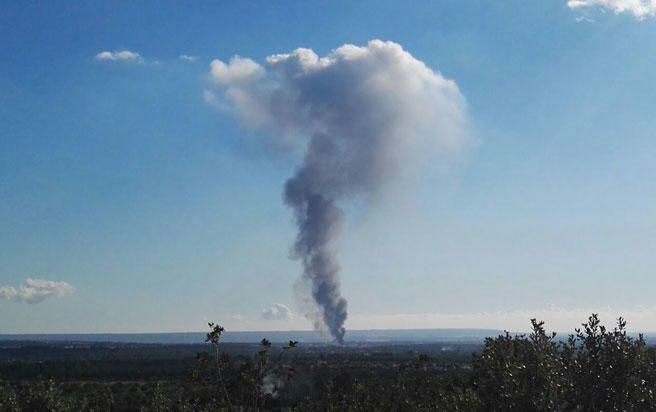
[595,369]
[304,336]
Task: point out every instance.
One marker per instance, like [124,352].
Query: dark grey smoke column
[318,220]
[363,116]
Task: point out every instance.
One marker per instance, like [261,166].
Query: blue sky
[163,212]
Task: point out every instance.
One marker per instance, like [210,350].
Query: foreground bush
[593,370]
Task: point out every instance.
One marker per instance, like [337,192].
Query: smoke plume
[363,115]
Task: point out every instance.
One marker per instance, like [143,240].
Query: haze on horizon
[479,165]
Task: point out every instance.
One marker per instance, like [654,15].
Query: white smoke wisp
[363,115]
[35,290]
[272,384]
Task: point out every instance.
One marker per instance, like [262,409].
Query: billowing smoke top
[363,114]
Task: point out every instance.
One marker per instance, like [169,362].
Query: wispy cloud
[640,9]
[584,19]
[187,58]
[35,290]
[121,55]
[277,311]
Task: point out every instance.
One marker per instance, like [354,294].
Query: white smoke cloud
[357,92]
[639,8]
[35,290]
[237,71]
[277,311]
[122,55]
[363,115]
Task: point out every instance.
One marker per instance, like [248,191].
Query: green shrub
[593,370]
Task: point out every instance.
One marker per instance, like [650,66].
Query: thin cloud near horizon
[35,290]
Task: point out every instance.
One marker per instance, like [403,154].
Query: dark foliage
[594,369]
